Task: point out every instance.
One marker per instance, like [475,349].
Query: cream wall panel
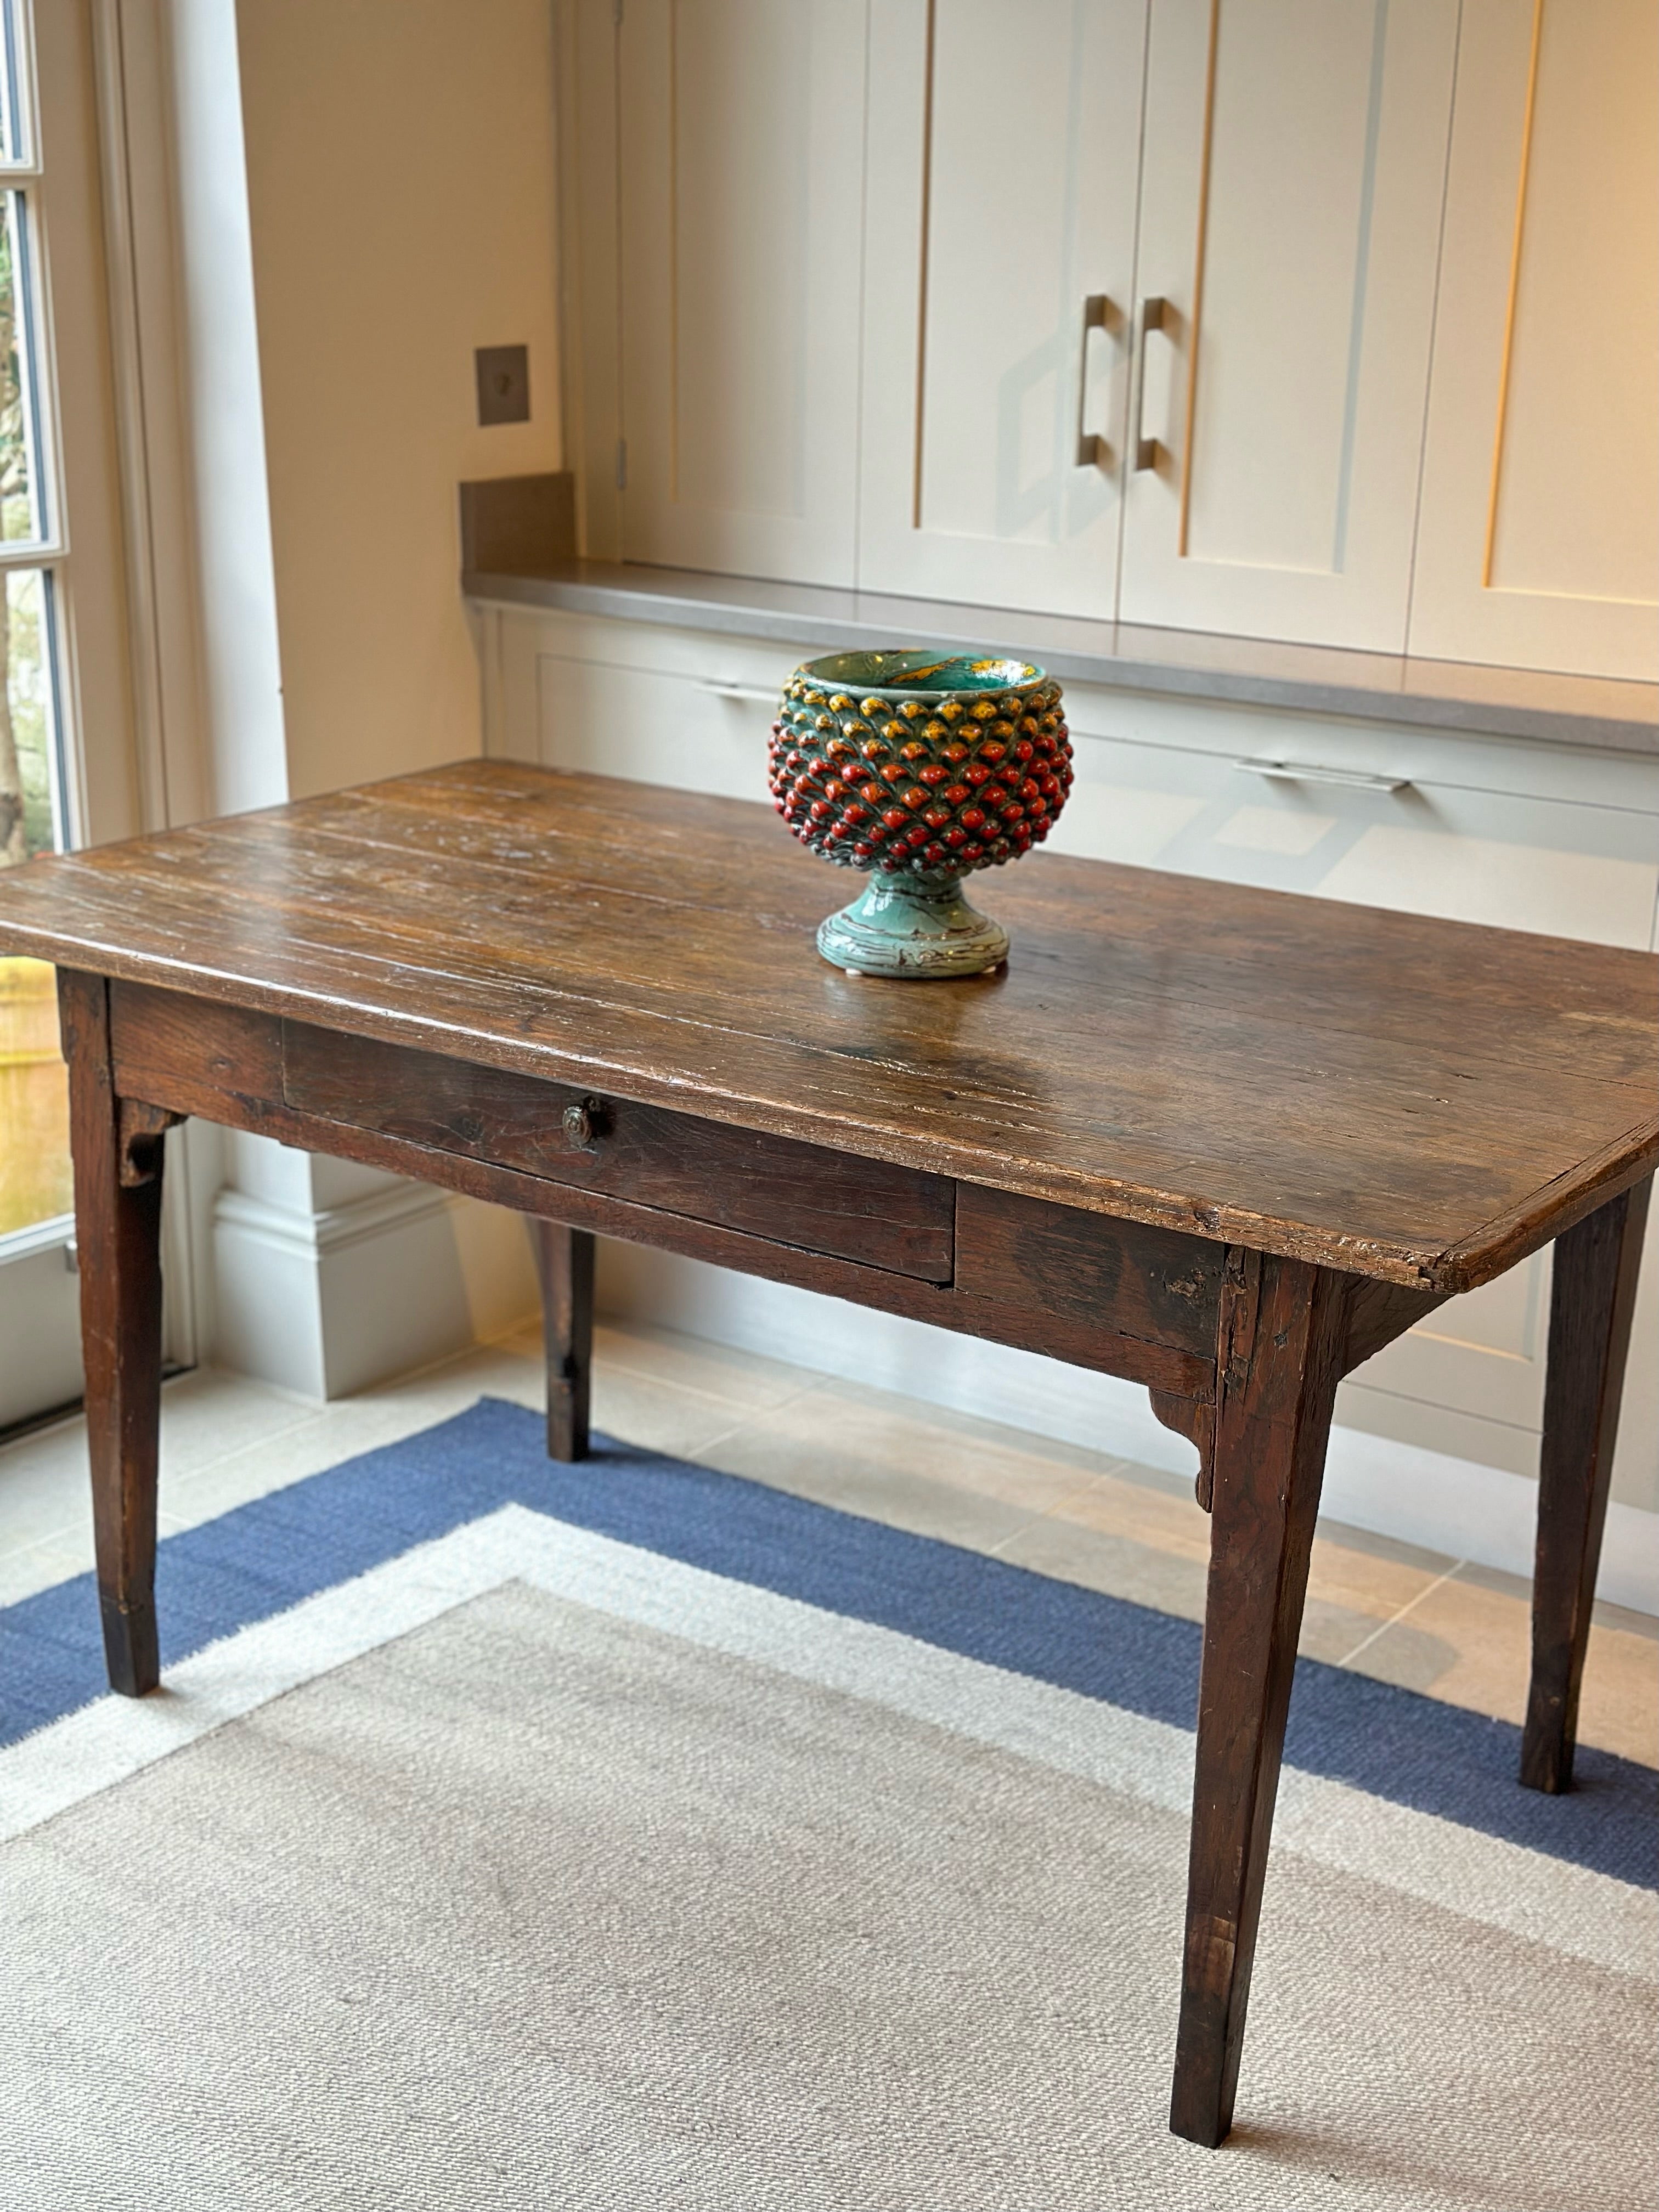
[983,245]
[1540,532]
[1291,194]
[741,154]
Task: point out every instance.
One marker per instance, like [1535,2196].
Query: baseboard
[329,1302]
[1443,1503]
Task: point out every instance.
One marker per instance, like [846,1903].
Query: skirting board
[1453,1506]
[327,1302]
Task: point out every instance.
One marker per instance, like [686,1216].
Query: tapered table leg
[1594,1297]
[565,1259]
[117,1225]
[1272,1427]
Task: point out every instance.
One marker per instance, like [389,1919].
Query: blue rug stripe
[264,1556]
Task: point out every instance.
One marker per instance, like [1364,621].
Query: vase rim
[903,675]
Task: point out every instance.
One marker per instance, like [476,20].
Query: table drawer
[789,1193]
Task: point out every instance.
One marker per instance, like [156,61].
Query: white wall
[364,193]
[401,198]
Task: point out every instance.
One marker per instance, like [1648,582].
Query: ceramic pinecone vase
[918,767]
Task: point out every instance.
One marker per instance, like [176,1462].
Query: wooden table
[1223,1142]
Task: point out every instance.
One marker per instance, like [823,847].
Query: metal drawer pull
[1358,779]
[1092,450]
[1153,314]
[584,1125]
[720,689]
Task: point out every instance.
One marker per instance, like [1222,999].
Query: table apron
[224,1064]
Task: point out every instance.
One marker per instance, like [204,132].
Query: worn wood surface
[1418,1101]
[1273,1422]
[1194,1418]
[1378,1312]
[564,1261]
[1592,1301]
[775,1187]
[117,1229]
[226,1064]
[1154,1282]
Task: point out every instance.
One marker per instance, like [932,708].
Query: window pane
[19,509]
[10,137]
[34,1164]
[35,1181]
[28,737]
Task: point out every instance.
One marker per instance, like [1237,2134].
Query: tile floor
[1408,1616]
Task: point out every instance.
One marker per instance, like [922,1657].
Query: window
[34,1175]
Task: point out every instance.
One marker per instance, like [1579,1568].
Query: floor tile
[1120,1502]
[1366,1584]
[38,1566]
[325,1435]
[744,1379]
[1120,1565]
[638,1410]
[1517,1586]
[44,1493]
[209,1412]
[1473,1645]
[206,1416]
[831,1471]
[881,1430]
[1128,1538]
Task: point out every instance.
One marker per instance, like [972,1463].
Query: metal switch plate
[503,384]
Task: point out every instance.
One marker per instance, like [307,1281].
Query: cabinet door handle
[1357,779]
[1092,450]
[1154,316]
[720,689]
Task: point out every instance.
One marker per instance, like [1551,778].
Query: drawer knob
[584,1125]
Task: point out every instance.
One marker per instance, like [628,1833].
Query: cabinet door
[1539,538]
[1003,150]
[740,159]
[1291,203]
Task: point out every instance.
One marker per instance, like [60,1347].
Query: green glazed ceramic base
[913,925]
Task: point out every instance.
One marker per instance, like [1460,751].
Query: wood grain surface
[564,1262]
[870,1210]
[118,1221]
[1418,1101]
[1592,1305]
[225,1063]
[1272,1424]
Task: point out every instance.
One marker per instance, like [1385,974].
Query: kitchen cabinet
[1539,540]
[1321,320]
[1290,198]
[1004,147]
[739,132]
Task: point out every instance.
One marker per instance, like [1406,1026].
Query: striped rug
[511,1835]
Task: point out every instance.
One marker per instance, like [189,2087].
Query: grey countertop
[1610,715]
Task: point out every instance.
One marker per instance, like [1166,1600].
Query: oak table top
[1415,1100]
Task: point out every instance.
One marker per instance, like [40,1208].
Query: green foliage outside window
[26,815]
